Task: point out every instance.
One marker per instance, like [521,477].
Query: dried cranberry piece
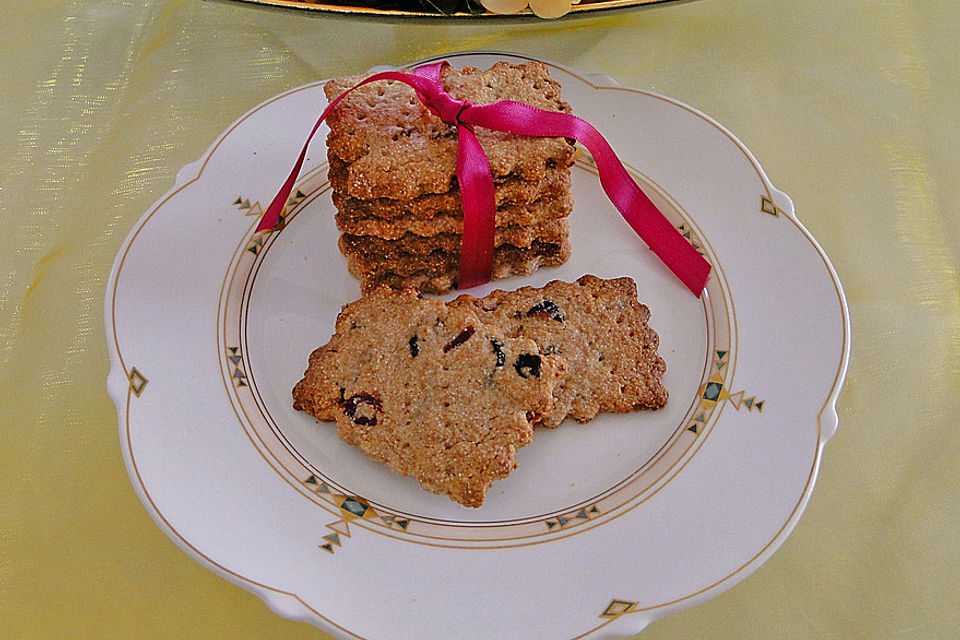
[460,338]
[414,346]
[528,365]
[362,408]
[547,309]
[498,350]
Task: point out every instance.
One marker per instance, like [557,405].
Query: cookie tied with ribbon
[490,193]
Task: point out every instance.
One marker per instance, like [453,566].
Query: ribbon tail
[633,204]
[271,216]
[478,200]
[645,219]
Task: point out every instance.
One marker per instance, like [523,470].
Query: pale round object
[541,8]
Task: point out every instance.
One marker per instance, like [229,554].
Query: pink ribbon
[476,182]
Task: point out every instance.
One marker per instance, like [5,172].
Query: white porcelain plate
[604,526]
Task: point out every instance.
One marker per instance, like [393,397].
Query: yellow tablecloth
[851,107]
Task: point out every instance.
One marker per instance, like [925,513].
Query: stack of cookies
[394,184]
[448,392]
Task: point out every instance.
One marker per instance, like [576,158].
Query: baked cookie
[511,215]
[600,328]
[437,272]
[510,191]
[430,391]
[394,147]
[552,232]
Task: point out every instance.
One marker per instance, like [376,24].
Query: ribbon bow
[476,182]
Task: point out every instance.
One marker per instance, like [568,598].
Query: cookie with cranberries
[430,391]
[600,328]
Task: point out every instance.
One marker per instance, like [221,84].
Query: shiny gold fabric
[851,107]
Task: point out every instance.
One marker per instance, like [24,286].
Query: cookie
[509,191]
[393,229]
[551,232]
[437,272]
[440,283]
[429,391]
[396,148]
[600,328]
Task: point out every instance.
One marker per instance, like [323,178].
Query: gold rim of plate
[584,6]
